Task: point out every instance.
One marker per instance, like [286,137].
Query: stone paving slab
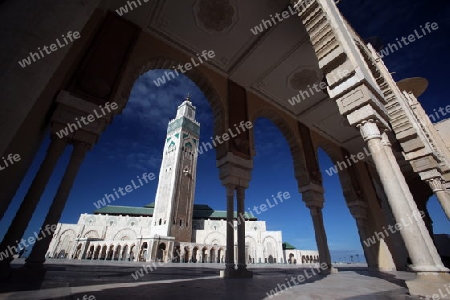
[109,280]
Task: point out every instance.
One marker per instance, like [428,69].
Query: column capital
[369,129]
[358,209]
[312,195]
[434,179]
[235,170]
[312,187]
[436,184]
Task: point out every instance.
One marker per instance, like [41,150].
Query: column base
[333,270]
[240,273]
[429,284]
[431,269]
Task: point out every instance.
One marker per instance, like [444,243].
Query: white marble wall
[262,246]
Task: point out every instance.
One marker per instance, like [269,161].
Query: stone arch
[92,234]
[103,252]
[77,251]
[194,254]
[335,154]
[215,238]
[270,246]
[161,251]
[187,252]
[124,252]
[290,134]
[117,252]
[332,150]
[132,254]
[90,252]
[176,255]
[252,248]
[97,252]
[125,234]
[137,68]
[204,254]
[354,197]
[65,243]
[220,255]
[143,251]
[291,258]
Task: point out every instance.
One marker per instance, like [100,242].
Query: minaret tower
[174,202]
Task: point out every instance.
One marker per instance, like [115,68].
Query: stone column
[235,172]
[321,236]
[37,255]
[23,216]
[437,185]
[387,146]
[418,242]
[241,228]
[229,263]
[312,195]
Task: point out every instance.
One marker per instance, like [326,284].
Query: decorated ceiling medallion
[215,16]
[300,79]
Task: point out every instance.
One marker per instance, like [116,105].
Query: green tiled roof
[287,246]
[125,210]
[201,211]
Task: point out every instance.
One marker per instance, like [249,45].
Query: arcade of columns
[125,251]
[377,194]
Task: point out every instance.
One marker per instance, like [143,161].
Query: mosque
[254,74]
[173,228]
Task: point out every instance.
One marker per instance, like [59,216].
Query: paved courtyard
[113,280]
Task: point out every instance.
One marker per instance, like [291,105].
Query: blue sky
[132,144]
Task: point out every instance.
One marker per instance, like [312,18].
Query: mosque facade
[173,228]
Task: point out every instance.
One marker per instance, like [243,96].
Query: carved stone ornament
[215,16]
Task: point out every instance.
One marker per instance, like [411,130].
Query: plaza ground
[113,280]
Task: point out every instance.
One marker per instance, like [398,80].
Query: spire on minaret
[186,109]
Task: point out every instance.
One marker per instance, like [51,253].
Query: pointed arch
[290,134]
[136,69]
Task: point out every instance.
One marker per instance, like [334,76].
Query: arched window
[160,221]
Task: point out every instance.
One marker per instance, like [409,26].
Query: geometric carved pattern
[300,80]
[218,238]
[125,234]
[92,234]
[214,16]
